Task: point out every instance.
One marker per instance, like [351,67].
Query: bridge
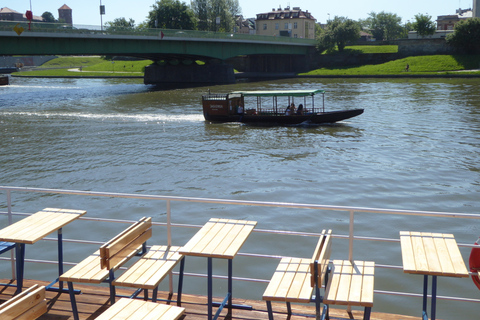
[175,52]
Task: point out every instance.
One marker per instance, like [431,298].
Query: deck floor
[95,299]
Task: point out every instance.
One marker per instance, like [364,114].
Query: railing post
[350,245]
[350,237]
[169,241]
[10,221]
[169,224]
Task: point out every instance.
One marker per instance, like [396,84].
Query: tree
[339,31]
[120,24]
[48,17]
[171,14]
[384,26]
[424,25]
[206,13]
[466,36]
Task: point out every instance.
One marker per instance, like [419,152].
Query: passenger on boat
[300,110]
[292,108]
[288,111]
[239,109]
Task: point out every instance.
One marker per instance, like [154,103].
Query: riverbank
[437,66]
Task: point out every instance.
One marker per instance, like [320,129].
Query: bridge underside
[175,59]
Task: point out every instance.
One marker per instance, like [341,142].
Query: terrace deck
[95,299]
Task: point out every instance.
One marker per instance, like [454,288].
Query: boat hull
[4,80]
[317,118]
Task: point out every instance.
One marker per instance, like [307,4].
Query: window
[295,24]
[264,26]
[276,26]
[286,26]
[295,35]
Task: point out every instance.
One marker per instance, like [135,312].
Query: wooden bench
[351,285]
[295,278]
[30,304]
[135,309]
[144,274]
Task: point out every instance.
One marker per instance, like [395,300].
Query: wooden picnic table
[219,238]
[34,228]
[431,254]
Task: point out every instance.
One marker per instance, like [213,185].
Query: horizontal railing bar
[244,202]
[200,275]
[419,295]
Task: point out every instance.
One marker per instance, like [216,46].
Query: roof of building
[8,10]
[287,13]
[64,7]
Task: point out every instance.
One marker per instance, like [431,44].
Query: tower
[476,8]
[65,14]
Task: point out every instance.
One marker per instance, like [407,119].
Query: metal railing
[350,237]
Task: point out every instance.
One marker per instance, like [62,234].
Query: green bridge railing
[157,32]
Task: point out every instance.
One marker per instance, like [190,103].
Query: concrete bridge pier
[189,72]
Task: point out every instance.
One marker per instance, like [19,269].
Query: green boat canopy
[278,93]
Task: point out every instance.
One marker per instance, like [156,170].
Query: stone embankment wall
[28,61]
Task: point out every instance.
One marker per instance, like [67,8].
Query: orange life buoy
[474,263]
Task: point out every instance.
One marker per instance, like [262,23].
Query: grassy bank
[418,65]
[87,67]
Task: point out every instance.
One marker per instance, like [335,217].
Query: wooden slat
[322,256]
[432,261]
[419,253]
[34,312]
[407,252]
[431,254]
[189,248]
[151,269]
[27,305]
[300,288]
[344,286]
[441,251]
[87,271]
[351,285]
[356,283]
[460,270]
[137,309]
[276,281]
[124,238]
[35,227]
[126,253]
[219,238]
[240,239]
[368,284]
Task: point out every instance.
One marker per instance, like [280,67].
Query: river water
[415,147]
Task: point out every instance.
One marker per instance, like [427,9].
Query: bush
[466,36]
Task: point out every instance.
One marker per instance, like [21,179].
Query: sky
[86,12]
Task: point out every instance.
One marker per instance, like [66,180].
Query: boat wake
[150,117]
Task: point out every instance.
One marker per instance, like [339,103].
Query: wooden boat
[234,107]
[4,80]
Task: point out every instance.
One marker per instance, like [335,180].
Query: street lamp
[102,12]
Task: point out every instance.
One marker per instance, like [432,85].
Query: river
[416,147]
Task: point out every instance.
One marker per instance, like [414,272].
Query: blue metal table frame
[219,238]
[431,254]
[33,228]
